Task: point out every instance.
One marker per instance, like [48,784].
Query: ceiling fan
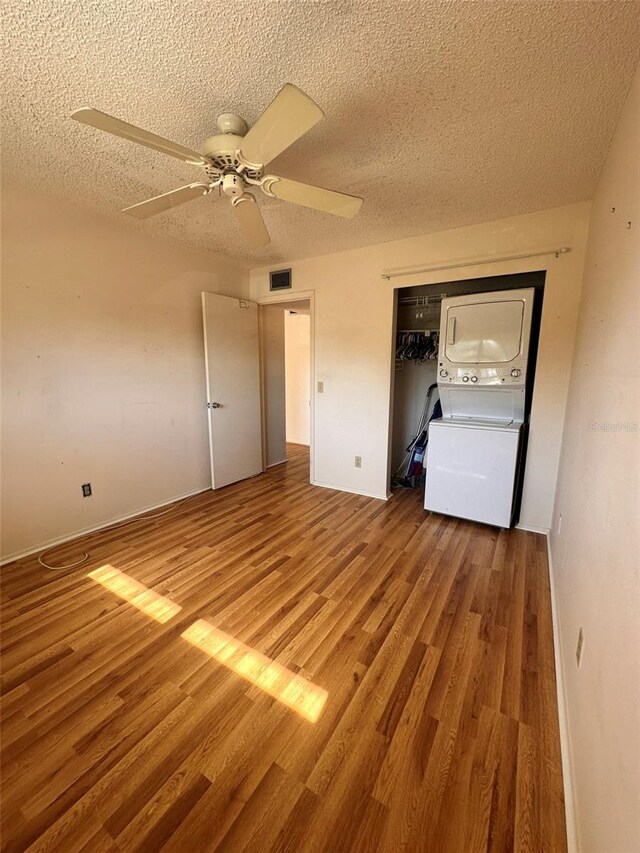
[235,158]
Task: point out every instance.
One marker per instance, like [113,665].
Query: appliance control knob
[474,378]
[444,372]
[516,371]
[465,378]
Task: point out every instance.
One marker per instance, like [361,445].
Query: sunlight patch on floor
[152,603]
[293,690]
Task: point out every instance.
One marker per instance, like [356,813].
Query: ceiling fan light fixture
[232,185]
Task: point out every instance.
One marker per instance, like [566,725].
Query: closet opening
[478,413]
[286,368]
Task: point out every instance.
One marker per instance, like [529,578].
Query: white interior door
[232,358]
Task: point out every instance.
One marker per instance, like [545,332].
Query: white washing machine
[473,453]
[471,468]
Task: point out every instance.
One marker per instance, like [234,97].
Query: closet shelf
[420,301]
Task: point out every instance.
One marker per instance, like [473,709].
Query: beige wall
[297,339]
[596,554]
[103,369]
[273,384]
[353,341]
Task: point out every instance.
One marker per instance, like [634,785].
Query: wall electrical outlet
[320,387]
[580,647]
[86,490]
[358,462]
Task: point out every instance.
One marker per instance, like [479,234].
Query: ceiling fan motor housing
[221,151]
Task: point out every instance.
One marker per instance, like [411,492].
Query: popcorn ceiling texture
[440,114]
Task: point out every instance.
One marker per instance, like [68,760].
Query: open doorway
[287,405]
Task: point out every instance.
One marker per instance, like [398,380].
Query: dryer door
[484,332]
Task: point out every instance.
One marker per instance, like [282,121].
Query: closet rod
[474,262]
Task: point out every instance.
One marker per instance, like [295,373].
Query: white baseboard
[384,497]
[69,537]
[565,745]
[531,529]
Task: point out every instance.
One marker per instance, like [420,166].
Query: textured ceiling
[439,114]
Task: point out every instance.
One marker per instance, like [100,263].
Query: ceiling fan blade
[160,203]
[251,221]
[95,118]
[330,201]
[289,115]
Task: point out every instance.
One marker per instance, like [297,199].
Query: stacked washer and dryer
[475,448]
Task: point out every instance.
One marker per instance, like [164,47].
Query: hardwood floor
[431,637]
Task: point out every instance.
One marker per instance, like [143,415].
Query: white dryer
[484,350]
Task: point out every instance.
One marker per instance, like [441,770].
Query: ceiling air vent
[280,280]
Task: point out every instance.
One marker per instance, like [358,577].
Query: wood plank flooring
[431,637]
